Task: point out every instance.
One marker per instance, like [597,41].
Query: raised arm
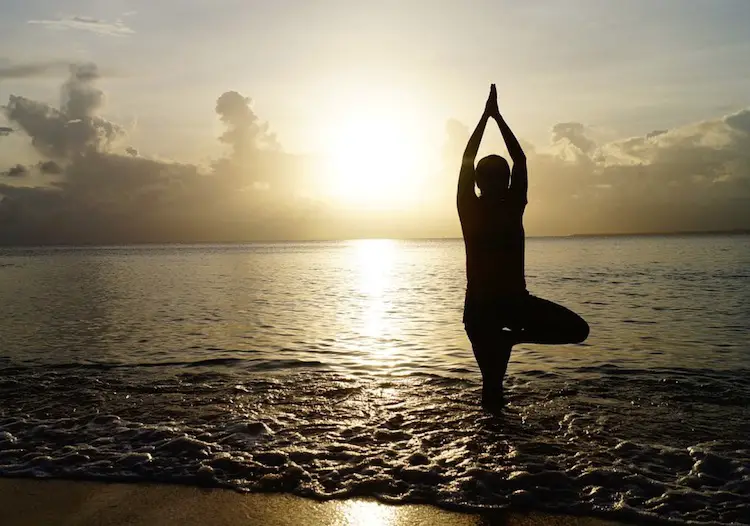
[519,176]
[466,176]
[514,148]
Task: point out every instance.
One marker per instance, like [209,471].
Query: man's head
[492,175]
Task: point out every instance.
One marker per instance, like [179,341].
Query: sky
[133,121]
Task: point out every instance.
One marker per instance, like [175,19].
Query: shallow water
[339,369]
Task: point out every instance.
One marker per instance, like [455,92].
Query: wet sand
[26,502]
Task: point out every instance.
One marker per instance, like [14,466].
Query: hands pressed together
[491,109]
[472,147]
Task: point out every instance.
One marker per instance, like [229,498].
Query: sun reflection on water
[366,513]
[374,263]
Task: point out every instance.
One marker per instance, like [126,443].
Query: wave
[664,445]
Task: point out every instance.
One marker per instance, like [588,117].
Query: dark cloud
[81,99]
[87,20]
[655,133]
[18,170]
[112,198]
[245,131]
[49,167]
[695,177]
[55,134]
[34,69]
[74,128]
[739,121]
[103,196]
[117,28]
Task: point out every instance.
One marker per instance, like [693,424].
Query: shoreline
[27,502]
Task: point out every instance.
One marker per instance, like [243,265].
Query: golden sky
[126,121]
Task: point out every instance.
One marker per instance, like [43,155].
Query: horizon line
[675,233]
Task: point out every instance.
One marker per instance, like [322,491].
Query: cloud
[739,121]
[693,177]
[49,167]
[572,140]
[244,129]
[101,196]
[18,170]
[86,23]
[34,69]
[655,133]
[91,188]
[81,99]
[108,198]
[75,127]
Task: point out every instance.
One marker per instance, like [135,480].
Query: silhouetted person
[499,312]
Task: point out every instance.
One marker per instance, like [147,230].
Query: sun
[375,158]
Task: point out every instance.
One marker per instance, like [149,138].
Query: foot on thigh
[509,337]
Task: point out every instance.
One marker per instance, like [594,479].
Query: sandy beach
[25,502]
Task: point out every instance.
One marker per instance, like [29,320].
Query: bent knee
[580,331]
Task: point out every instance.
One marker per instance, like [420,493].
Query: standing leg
[492,350]
[546,322]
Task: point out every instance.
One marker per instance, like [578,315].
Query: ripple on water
[585,446]
[334,369]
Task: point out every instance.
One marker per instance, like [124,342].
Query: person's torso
[494,239]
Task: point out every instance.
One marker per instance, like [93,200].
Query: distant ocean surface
[342,369]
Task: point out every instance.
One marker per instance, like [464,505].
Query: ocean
[338,369]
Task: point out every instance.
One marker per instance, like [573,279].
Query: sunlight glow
[366,513]
[376,155]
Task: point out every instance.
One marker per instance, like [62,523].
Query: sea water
[339,369]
